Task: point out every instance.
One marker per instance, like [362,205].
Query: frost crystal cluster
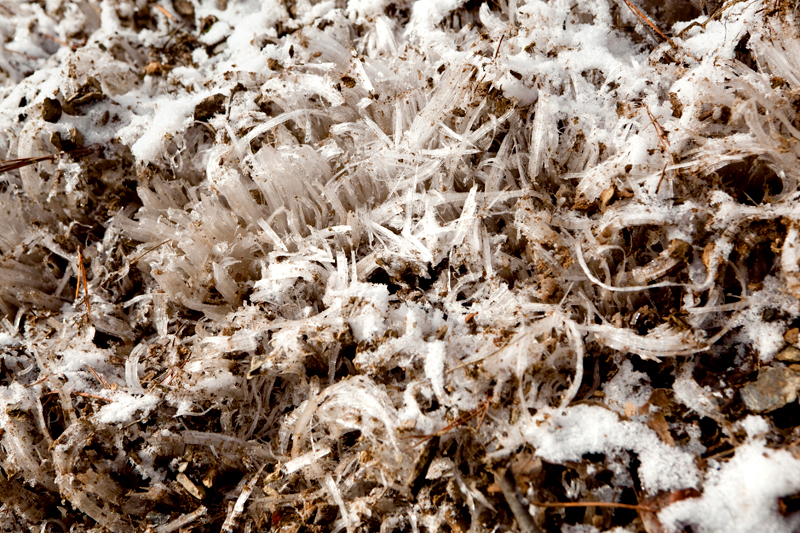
[366,265]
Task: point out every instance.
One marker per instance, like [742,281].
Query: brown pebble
[67,143]
[184,7]
[87,94]
[209,107]
[153,68]
[51,110]
[790,354]
[775,387]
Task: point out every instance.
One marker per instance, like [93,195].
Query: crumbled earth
[399,266]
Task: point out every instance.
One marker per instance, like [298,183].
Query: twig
[723,453]
[156,247]
[659,130]
[460,421]
[181,521]
[76,393]
[661,179]
[62,43]
[123,271]
[23,54]
[594,504]
[100,378]
[521,514]
[14,164]
[715,15]
[645,19]
[85,286]
[499,44]
[163,10]
[40,380]
[483,414]
[462,365]
[78,285]
[93,396]
[236,510]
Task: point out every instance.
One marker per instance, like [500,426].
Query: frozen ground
[400,266]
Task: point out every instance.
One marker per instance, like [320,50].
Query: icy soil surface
[399,266]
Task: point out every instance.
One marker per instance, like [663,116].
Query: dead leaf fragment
[607,195]
[659,424]
[191,488]
[792,335]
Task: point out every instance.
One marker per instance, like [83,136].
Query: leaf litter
[417,266]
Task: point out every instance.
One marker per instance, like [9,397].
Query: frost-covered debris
[375,266]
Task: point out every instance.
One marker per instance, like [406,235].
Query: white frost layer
[741,496]
[371,305]
[583,429]
[172,116]
[126,408]
[627,387]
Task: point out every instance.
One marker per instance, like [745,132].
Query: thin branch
[93,396]
[521,514]
[156,247]
[499,44]
[659,130]
[14,164]
[99,378]
[85,286]
[646,20]
[56,40]
[40,380]
[713,16]
[460,421]
[595,504]
[463,365]
[163,10]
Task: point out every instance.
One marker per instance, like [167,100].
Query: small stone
[207,22]
[680,249]
[87,94]
[76,137]
[775,387]
[51,110]
[769,315]
[153,68]
[184,7]
[792,335]
[209,107]
[790,354]
[67,144]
